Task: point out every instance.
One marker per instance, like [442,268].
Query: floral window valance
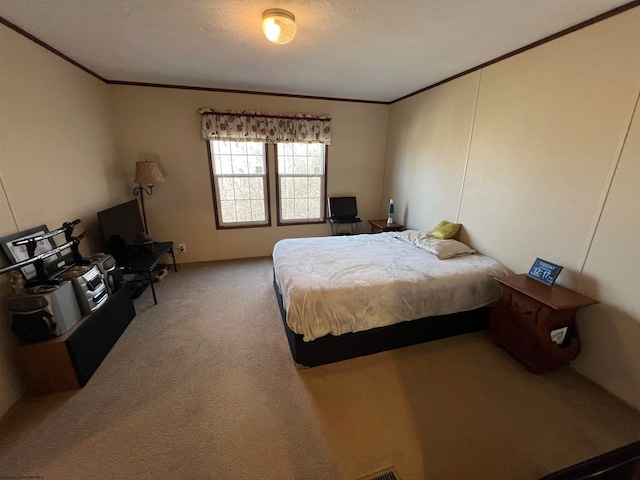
[262,127]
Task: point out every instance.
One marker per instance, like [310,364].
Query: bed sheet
[336,285]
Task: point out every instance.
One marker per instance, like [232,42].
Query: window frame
[215,194]
[323,193]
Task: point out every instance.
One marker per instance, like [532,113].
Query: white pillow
[440,248]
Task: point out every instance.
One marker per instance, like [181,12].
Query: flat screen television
[343,207]
[123,220]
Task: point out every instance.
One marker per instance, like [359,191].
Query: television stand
[143,263]
[336,223]
[68,362]
[138,286]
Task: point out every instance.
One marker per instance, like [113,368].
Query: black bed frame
[330,348]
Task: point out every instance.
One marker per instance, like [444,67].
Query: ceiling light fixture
[279,26]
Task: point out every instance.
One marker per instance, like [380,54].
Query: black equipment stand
[143,263]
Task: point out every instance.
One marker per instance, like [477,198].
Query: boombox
[90,289]
[110,271]
[43,312]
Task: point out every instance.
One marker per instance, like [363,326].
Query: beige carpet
[203,386]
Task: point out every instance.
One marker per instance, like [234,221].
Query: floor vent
[386,474]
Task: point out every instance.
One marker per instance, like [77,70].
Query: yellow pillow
[445,230]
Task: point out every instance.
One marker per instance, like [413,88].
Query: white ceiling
[374,50]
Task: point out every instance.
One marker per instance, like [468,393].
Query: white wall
[163,124]
[427,150]
[611,330]
[57,158]
[530,160]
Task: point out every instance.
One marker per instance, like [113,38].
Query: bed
[347,296]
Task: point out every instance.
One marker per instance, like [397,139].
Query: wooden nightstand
[379,226]
[524,318]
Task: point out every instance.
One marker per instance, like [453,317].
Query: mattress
[337,285]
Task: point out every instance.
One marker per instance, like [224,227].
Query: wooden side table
[379,226]
[522,322]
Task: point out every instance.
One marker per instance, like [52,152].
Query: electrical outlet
[183,247]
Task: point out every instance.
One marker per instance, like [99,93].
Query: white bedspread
[336,285]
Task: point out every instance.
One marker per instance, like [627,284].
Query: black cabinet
[69,361]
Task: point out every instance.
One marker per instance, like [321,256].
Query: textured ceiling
[375,50]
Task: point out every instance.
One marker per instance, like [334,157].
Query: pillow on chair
[445,230]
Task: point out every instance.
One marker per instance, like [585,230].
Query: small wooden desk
[379,226]
[523,319]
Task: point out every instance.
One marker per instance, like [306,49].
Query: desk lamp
[147,173]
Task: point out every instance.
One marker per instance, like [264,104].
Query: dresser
[536,323]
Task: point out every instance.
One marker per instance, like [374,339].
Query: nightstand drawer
[524,307]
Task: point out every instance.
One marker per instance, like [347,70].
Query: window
[239,178]
[301,172]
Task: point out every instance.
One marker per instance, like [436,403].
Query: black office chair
[344,211]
